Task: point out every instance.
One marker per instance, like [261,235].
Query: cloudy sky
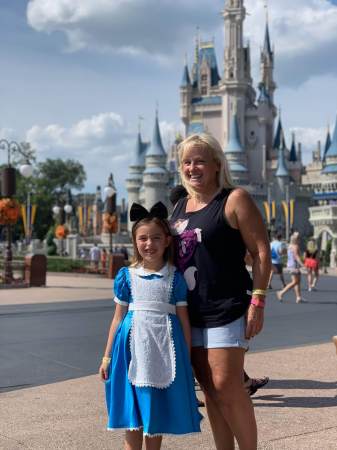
[75,75]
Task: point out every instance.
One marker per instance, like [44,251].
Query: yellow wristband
[259,292]
[106,360]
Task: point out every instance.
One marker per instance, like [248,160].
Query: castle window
[204,77]
[203,90]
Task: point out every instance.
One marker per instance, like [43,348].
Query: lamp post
[61,214]
[289,210]
[8,189]
[110,205]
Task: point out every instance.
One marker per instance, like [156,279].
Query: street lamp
[8,190]
[110,218]
[289,210]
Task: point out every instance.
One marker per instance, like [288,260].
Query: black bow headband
[138,212]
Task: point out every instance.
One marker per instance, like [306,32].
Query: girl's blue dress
[157,411]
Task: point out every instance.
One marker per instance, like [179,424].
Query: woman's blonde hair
[212,146]
[294,238]
[164,225]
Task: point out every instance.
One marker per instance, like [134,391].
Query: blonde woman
[294,264]
[214,226]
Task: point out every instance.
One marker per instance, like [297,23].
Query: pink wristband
[257,302]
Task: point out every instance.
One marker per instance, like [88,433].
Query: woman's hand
[255,318]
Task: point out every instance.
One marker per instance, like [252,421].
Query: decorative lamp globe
[26,170]
[109,191]
[56,210]
[68,208]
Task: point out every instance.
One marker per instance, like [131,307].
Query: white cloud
[309,138]
[135,27]
[103,143]
[304,33]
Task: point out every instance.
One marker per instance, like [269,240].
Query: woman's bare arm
[243,214]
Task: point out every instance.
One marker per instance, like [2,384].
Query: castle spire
[292,154]
[327,143]
[282,170]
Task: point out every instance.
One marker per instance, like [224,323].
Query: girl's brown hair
[164,225]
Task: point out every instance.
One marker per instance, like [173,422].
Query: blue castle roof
[330,168]
[292,154]
[282,170]
[234,144]
[332,150]
[186,80]
[207,51]
[327,145]
[139,152]
[209,100]
[156,147]
[266,46]
[279,136]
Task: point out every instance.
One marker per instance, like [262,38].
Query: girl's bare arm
[185,323]
[120,312]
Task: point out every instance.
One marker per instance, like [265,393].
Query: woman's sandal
[255,384]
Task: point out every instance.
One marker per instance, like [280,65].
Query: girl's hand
[104,371]
[255,317]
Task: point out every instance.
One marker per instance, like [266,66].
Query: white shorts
[230,335]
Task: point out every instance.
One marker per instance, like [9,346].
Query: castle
[227,105]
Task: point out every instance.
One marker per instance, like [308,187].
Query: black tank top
[211,255]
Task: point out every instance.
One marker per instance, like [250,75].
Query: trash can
[35,270]
[116,261]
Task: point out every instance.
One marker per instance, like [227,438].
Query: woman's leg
[133,440]
[316,276]
[297,287]
[153,443]
[310,279]
[287,288]
[228,392]
[222,434]
[222,381]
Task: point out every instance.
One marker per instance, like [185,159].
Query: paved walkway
[296,410]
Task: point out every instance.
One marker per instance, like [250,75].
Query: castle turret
[185,96]
[331,156]
[236,89]
[155,176]
[135,176]
[282,172]
[267,65]
[236,155]
[292,153]
[327,144]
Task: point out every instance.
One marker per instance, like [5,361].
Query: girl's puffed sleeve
[121,287]
[179,290]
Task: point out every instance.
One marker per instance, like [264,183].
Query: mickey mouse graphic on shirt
[186,242]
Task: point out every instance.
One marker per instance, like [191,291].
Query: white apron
[151,343]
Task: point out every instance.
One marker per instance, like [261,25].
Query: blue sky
[76,75]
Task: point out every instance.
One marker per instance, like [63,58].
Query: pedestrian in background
[277,249]
[95,255]
[311,262]
[294,265]
[103,259]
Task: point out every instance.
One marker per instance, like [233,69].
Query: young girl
[149,382]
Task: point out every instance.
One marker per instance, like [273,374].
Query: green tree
[48,185]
